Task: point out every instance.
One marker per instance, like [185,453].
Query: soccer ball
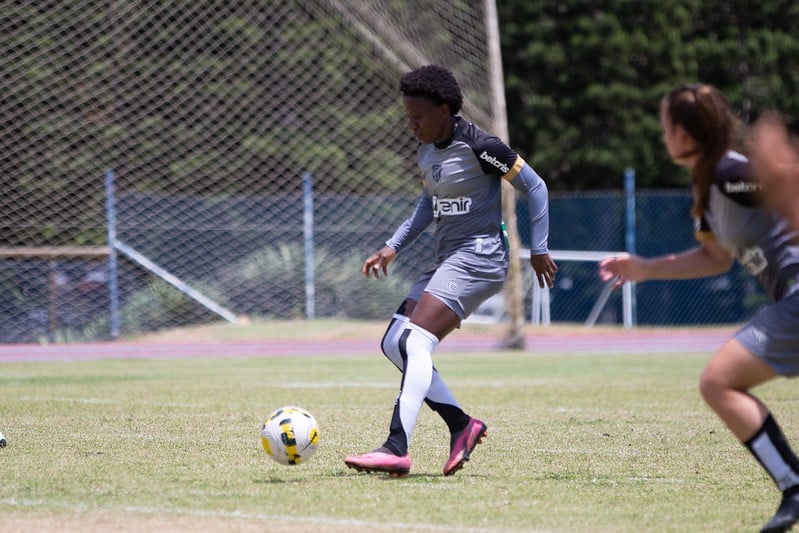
[290,435]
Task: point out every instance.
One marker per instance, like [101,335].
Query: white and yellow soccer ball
[290,435]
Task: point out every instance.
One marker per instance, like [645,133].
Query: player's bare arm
[622,267]
[709,259]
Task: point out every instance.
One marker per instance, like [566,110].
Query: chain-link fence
[212,125]
[598,222]
[207,115]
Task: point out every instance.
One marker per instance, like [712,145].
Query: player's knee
[711,386]
[389,345]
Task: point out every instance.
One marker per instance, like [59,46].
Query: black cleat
[786,516]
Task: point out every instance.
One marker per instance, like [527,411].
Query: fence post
[307,230]
[111,223]
[629,288]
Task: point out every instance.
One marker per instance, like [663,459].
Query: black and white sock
[416,348]
[439,397]
[772,451]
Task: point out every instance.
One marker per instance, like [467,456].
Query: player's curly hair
[435,83]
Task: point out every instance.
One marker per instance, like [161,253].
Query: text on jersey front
[451,206]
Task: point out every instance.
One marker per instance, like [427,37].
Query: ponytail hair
[703,112]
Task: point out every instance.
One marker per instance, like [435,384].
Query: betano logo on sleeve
[451,206]
[494,162]
[741,186]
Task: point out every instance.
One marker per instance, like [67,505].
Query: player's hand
[621,268]
[545,269]
[378,262]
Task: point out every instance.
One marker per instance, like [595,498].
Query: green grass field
[586,443]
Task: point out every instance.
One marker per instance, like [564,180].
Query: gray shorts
[773,335]
[463,280]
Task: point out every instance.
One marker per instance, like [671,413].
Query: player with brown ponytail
[709,128]
[731,222]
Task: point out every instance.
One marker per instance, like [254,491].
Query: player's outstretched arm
[709,259]
[621,268]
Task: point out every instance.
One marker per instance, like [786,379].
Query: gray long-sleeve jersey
[762,242]
[462,194]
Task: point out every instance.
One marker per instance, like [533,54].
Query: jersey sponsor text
[740,186]
[494,162]
[451,206]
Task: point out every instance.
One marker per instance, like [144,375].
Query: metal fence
[257,266]
[201,119]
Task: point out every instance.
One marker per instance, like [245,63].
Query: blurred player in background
[699,129]
[462,169]
[774,146]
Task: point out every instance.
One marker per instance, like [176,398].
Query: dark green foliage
[583,79]
[194,97]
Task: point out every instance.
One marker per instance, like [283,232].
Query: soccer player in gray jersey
[698,130]
[462,171]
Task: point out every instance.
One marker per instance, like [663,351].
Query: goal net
[215,120]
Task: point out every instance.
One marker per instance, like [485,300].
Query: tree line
[197,97]
[583,78]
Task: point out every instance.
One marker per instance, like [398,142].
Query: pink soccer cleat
[380,460]
[462,445]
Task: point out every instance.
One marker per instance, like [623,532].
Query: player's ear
[445,110]
[684,137]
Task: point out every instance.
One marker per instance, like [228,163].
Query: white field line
[287,519]
[105,401]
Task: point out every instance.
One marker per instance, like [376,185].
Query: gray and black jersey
[762,242]
[461,180]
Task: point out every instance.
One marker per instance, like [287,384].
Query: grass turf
[596,443]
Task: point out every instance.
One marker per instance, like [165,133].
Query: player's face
[430,122]
[680,145]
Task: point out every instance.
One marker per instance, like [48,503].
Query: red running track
[587,341]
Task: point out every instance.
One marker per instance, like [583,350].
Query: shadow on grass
[345,474]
